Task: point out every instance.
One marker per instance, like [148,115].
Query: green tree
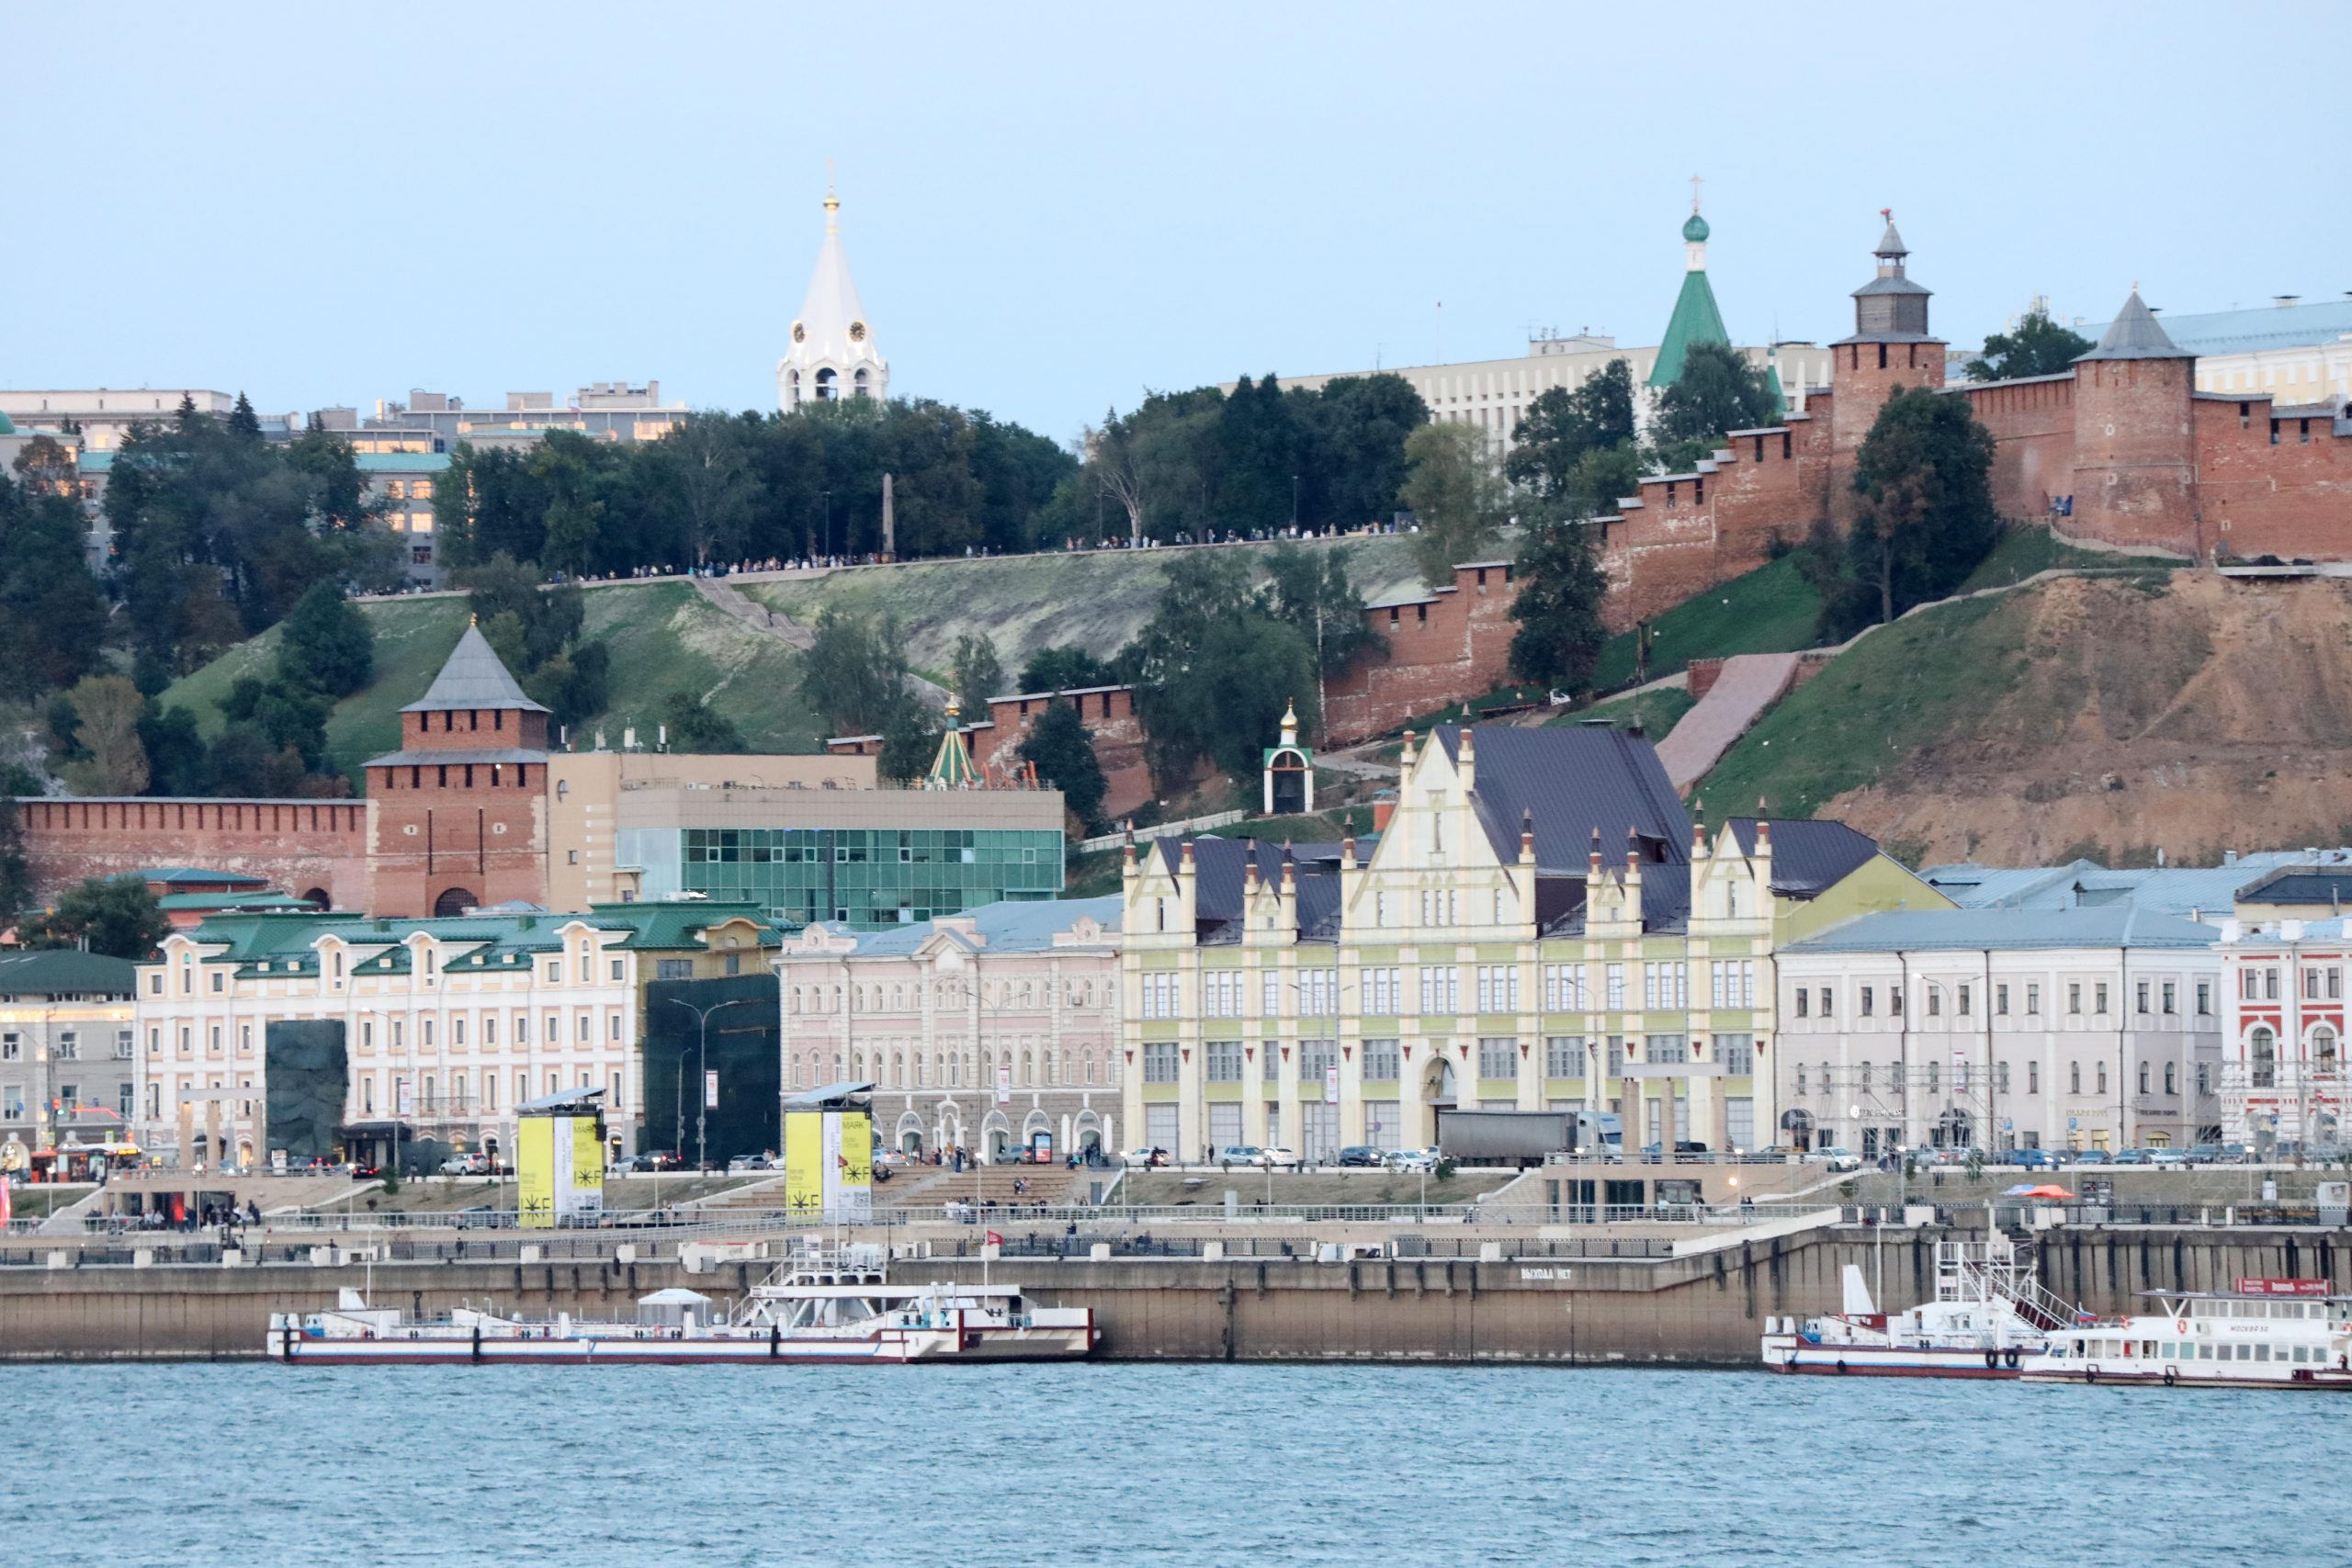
[1216,670]
[1558,607]
[1058,747]
[107,710]
[693,725]
[979,674]
[1258,453]
[1927,516]
[1457,495]
[52,613]
[910,737]
[1065,669]
[326,643]
[16,877]
[1719,391]
[1560,427]
[2035,346]
[1353,447]
[854,673]
[1601,477]
[1312,595]
[113,914]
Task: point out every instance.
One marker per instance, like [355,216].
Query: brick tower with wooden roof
[1890,347]
[458,816]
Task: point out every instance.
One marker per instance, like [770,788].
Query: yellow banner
[804,1162]
[587,1195]
[857,1150]
[535,1172]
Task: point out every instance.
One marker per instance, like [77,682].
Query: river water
[1112,1463]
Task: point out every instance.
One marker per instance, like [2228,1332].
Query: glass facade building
[868,878]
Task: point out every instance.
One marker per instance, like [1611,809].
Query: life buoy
[1841,1366]
[2172,1376]
[2090,1375]
[2181,1327]
[2010,1356]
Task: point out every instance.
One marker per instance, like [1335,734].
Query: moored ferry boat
[809,1312]
[1988,1315]
[2265,1334]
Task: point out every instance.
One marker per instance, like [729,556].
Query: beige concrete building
[585,790]
[68,1071]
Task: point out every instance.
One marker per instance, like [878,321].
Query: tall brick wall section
[474,832]
[2135,470]
[2032,425]
[1684,534]
[2269,484]
[301,846]
[1443,649]
[1109,715]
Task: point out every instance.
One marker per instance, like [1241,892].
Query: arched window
[827,391]
[792,382]
[859,379]
[2323,1050]
[452,903]
[2262,1055]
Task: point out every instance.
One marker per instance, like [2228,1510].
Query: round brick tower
[2135,470]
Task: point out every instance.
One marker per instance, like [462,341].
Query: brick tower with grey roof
[1890,347]
[2135,458]
[459,814]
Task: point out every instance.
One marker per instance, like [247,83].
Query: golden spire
[1290,724]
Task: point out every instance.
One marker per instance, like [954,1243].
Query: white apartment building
[2085,1028]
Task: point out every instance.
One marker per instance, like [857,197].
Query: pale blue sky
[1050,210]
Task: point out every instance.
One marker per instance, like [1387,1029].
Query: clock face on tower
[857,332]
[799,332]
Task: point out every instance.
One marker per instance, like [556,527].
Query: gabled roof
[1809,857]
[2134,334]
[832,304]
[1695,320]
[1218,877]
[1928,930]
[1011,925]
[1573,782]
[473,677]
[2300,885]
[2264,326]
[63,971]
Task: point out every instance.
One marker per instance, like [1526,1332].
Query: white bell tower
[831,353]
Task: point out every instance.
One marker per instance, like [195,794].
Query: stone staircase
[1749,683]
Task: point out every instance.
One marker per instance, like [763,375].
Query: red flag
[992,1239]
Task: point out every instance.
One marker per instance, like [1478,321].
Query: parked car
[2168,1159]
[1276,1157]
[742,1163]
[1842,1159]
[2033,1159]
[2132,1156]
[1146,1158]
[2202,1153]
[1413,1160]
[482,1216]
[1363,1154]
[653,1160]
[466,1165]
[2087,1156]
[1241,1154]
[1682,1147]
[1780,1151]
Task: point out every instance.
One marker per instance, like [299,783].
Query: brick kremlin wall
[1451,646]
[2291,499]
[2033,425]
[1109,715]
[299,846]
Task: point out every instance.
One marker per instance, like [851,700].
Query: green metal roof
[63,972]
[175,902]
[1695,320]
[400,462]
[7,426]
[288,942]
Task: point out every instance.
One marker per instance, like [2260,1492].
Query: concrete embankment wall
[1705,1309]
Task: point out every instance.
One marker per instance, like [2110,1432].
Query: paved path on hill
[1749,683]
[729,600]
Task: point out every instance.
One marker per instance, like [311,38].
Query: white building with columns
[832,354]
[993,1029]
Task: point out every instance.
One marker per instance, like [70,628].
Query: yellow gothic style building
[1539,924]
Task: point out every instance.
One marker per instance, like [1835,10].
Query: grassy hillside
[1658,710]
[1099,600]
[1770,610]
[663,637]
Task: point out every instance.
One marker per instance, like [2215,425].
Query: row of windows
[422,1096]
[65,1046]
[1893,1078]
[897,1069]
[2262,1054]
[950,994]
[2149,997]
[463,1033]
[67,1100]
[1565,1056]
[2321,982]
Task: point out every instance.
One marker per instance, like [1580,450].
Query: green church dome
[1695,230]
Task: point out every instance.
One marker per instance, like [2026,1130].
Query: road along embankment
[1706,1307]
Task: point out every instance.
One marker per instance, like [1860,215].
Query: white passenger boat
[2265,1334]
[1988,1315]
[815,1310]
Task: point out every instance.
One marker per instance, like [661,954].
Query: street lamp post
[702,1101]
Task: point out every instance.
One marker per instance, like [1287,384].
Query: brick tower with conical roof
[459,814]
[2135,465]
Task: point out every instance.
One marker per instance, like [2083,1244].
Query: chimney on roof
[1467,769]
[1526,837]
[1348,848]
[1405,755]
[1249,872]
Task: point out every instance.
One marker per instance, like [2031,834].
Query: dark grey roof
[2301,887]
[1809,857]
[2134,334]
[1891,243]
[474,677]
[1218,873]
[1666,899]
[1574,783]
[429,757]
[64,972]
[1897,284]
